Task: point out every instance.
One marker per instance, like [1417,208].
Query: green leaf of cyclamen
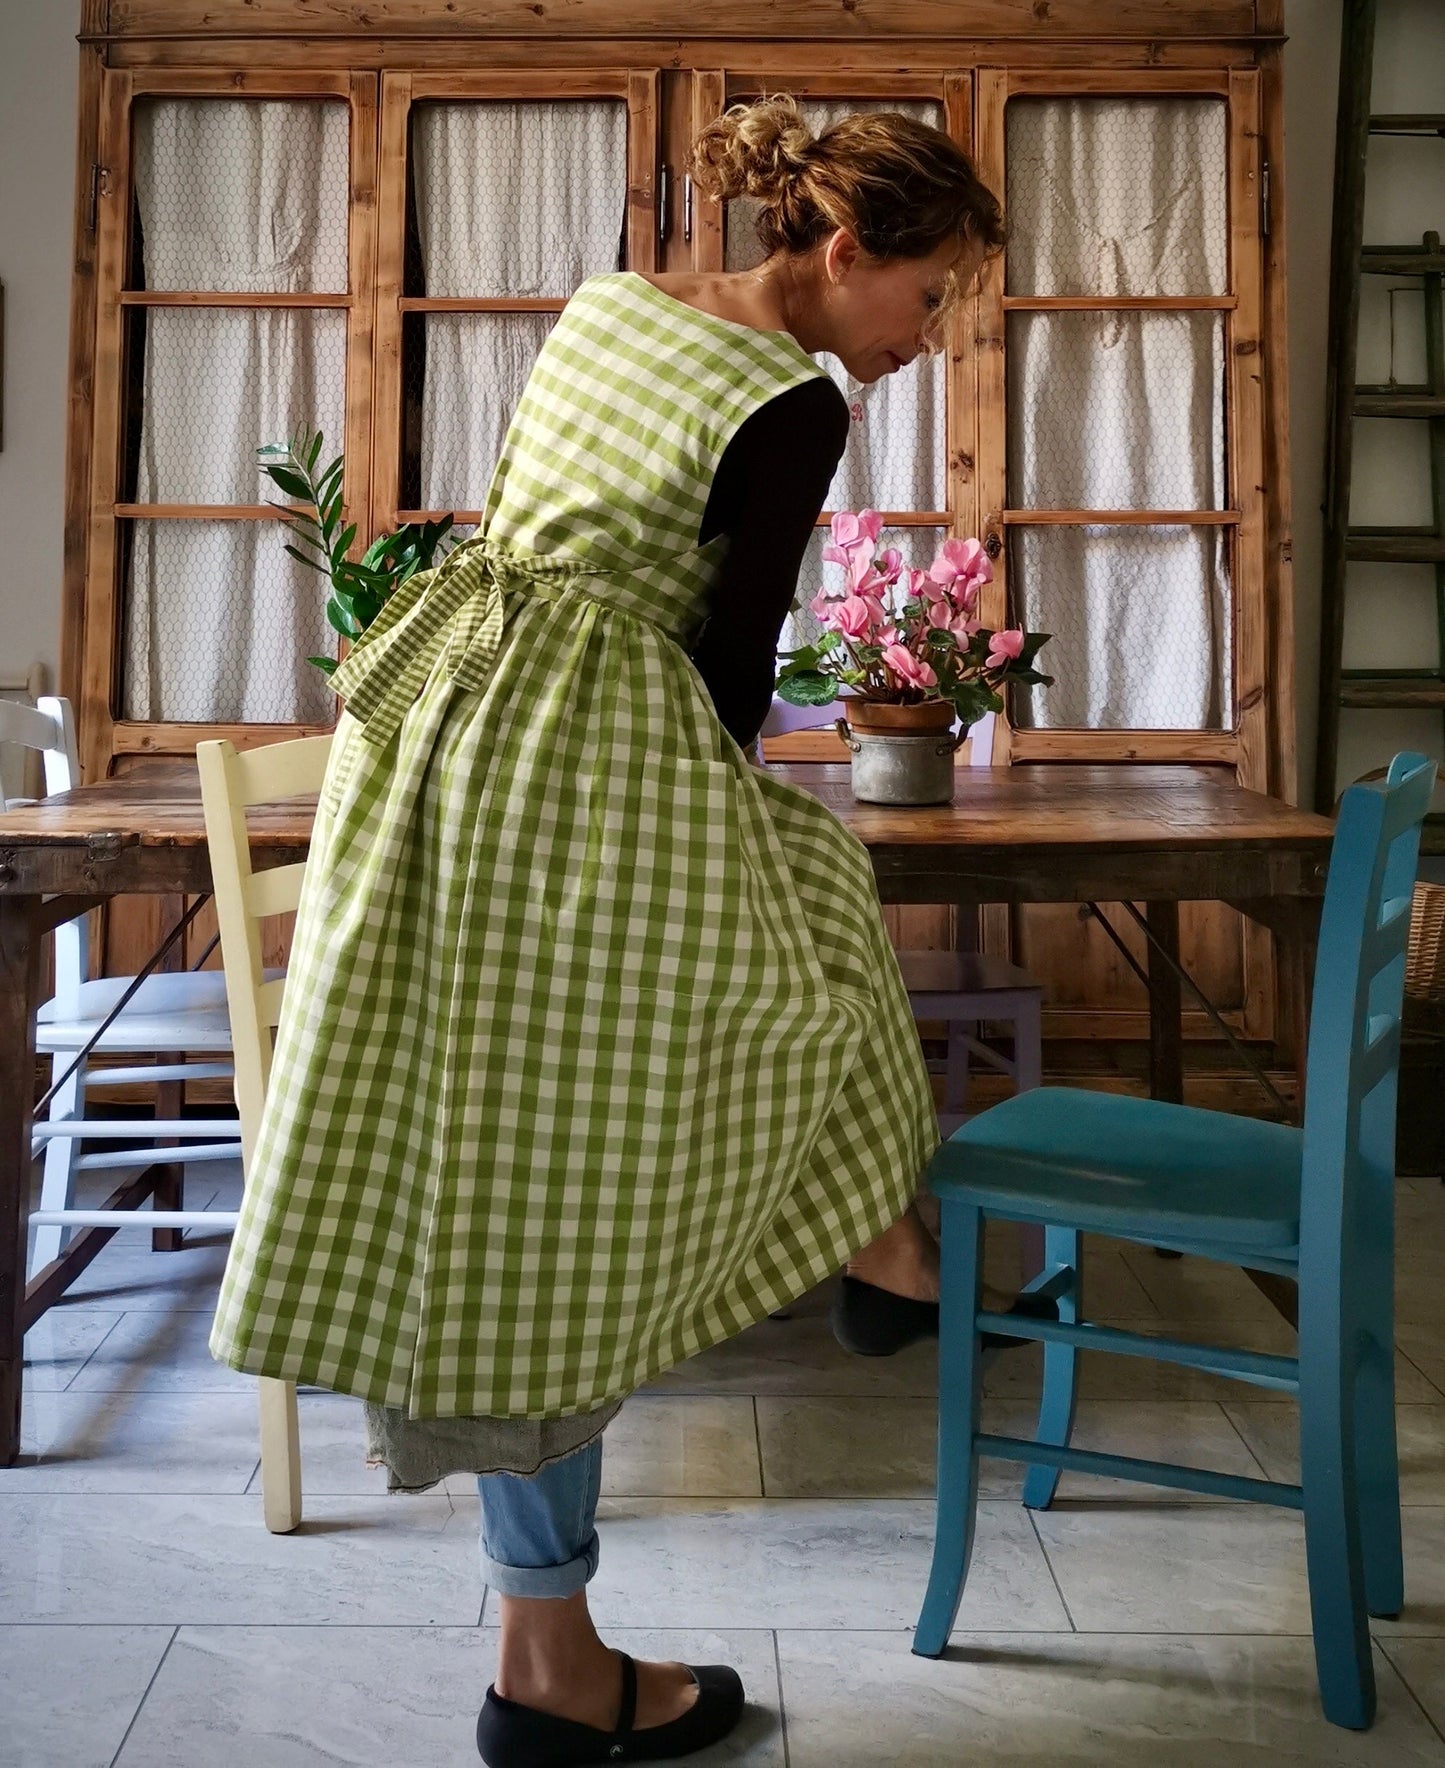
[808,688]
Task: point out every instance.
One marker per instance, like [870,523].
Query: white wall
[38,71]
[37,147]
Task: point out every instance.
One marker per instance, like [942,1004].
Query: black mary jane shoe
[514,1736]
[873,1322]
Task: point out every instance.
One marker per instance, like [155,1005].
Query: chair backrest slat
[1357,1002]
[231,780]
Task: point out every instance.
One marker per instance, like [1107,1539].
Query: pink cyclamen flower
[961,561]
[870,522]
[889,565]
[1004,647]
[854,616]
[845,528]
[910,669]
[919,584]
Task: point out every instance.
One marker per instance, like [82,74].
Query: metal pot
[902,754]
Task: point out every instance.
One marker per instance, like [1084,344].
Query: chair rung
[133,1218]
[145,1127]
[1258,1368]
[1156,1473]
[143,1157]
[125,1077]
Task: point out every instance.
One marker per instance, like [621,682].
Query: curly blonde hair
[901,188]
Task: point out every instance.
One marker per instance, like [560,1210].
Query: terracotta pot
[923,715]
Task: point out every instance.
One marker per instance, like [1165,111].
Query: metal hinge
[1264,199]
[664,192]
[687,208]
[99,187]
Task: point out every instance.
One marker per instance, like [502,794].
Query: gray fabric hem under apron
[419,1452]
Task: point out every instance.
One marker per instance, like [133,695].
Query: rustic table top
[1044,832]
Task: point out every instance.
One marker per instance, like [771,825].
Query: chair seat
[183,1010]
[960,973]
[1136,1168]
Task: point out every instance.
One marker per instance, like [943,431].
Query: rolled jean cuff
[543,1580]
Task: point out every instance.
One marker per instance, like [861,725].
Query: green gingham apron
[594,1049]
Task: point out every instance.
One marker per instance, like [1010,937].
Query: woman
[594,1048]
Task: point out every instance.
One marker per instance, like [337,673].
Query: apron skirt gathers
[593,1049]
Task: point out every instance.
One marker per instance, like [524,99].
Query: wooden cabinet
[386,206]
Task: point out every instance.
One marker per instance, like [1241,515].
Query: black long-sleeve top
[766,495]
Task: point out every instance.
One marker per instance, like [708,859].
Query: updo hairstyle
[901,188]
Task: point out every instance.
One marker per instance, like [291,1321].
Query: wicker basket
[1425,956]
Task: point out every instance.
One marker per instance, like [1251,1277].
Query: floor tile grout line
[1408,1686]
[1063,1600]
[95,1349]
[1264,1472]
[782,1699]
[758,1444]
[175,1634]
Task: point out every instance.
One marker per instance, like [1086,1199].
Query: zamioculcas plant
[360,588]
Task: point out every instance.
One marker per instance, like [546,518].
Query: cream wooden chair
[232,779]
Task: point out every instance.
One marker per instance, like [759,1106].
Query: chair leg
[961,1250]
[280,1455]
[1379,1478]
[1056,1408]
[1029,1043]
[57,1189]
[1333,1544]
[955,1085]
[170,1179]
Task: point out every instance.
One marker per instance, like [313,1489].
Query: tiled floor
[767,1504]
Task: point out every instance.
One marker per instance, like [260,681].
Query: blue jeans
[539,1535]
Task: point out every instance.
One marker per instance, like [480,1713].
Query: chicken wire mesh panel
[1116,411]
[918,545]
[1117,196]
[463,374]
[894,458]
[217,383]
[1141,620]
[516,198]
[245,196]
[219,622]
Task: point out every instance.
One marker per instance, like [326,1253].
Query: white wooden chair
[169,1016]
[232,779]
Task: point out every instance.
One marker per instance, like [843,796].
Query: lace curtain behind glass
[249,197]
[1118,410]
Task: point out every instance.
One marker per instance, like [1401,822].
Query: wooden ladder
[1350,261]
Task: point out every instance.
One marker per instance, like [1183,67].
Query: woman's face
[878,313]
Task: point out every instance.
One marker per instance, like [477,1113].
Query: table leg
[1166,1032]
[18,987]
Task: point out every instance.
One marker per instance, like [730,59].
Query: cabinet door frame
[636,87]
[1246,746]
[104,734]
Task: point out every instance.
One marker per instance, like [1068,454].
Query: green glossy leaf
[808,688]
[327,665]
[341,619]
[311,564]
[290,481]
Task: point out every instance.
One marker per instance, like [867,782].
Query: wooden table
[1061,832]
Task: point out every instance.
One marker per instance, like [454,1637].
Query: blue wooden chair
[1315,1205]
